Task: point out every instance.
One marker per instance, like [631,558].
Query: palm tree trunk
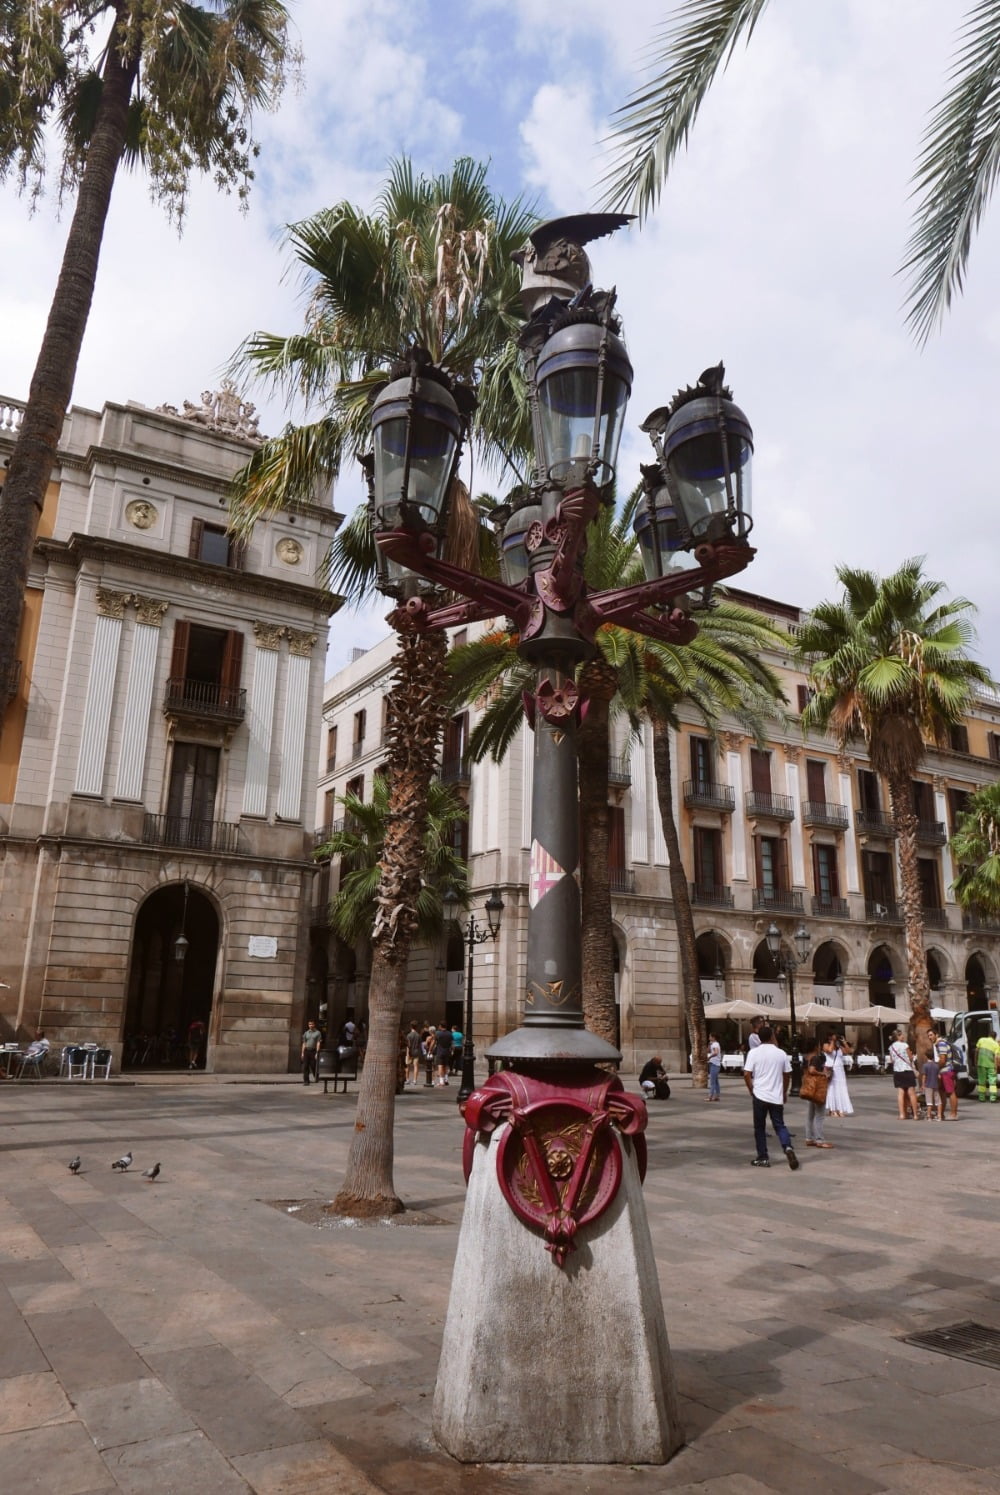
[694,1008]
[51,386]
[415,720]
[597,939]
[918,985]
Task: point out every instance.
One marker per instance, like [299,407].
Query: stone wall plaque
[262,946]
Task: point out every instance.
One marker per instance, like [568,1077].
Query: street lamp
[474,935]
[787,963]
[547,1170]
[182,943]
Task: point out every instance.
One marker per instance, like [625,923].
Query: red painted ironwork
[559,1163]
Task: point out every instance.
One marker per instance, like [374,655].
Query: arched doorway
[828,964]
[881,978]
[453,982]
[977,990]
[166,993]
[934,978]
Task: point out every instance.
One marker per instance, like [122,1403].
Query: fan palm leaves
[954,177]
[975,847]
[890,666]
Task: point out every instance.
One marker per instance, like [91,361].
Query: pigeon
[152,1173]
[123,1163]
[74,1166]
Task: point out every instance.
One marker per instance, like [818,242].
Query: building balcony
[777,900]
[830,908]
[220,836]
[973,918]
[882,913]
[767,806]
[621,880]
[322,834]
[619,772]
[711,895]
[701,796]
[875,823]
[11,680]
[205,700]
[819,812]
[457,771]
[932,832]
[935,918]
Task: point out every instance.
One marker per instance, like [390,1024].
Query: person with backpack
[442,1053]
[947,1061]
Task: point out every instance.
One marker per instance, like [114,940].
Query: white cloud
[559,154]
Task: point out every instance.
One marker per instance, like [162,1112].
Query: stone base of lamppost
[552,1363]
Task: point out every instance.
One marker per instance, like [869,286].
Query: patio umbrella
[743,1011]
[816,1012]
[943,1014]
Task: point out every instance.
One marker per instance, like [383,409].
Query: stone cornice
[162,563]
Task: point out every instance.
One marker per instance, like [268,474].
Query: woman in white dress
[838,1100]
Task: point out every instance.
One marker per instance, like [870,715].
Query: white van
[967,1029]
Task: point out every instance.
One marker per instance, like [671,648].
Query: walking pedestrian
[987,1058]
[195,1039]
[413,1055]
[947,1077]
[814,1089]
[767,1074]
[442,1053]
[714,1068]
[312,1040]
[904,1076]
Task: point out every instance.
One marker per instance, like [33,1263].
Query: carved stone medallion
[289,551]
[141,513]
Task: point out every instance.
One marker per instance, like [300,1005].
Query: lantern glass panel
[698,466]
[568,399]
[659,534]
[432,455]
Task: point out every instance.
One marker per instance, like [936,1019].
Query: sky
[775,247]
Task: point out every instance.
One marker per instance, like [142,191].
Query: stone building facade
[793,832]
[159,751]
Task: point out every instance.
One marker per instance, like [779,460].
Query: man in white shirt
[753,1037]
[767,1074]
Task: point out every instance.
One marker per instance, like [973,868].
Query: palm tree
[954,176]
[975,847]
[433,259]
[889,665]
[171,87]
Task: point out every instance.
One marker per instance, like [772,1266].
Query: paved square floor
[188,1336]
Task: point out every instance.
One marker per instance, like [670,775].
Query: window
[930,889]
[616,838]
[194,777]
[331,749]
[804,695]
[213,543]
[357,788]
[825,878]
[868,792]
[769,855]
[708,873]
[876,871]
[958,803]
[329,808]
[358,740]
[760,771]
[993,745]
[816,781]
[923,800]
[456,739]
[958,739]
[702,764]
[386,716]
[460,838]
[205,668]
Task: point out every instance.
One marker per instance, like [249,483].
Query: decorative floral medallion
[141,513]
[289,551]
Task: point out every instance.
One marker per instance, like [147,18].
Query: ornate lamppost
[553,1143]
[475,935]
[787,963]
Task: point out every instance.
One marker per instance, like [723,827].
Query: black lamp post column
[475,935]
[787,962]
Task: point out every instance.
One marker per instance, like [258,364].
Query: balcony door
[194,781]
[772,874]
[877,873]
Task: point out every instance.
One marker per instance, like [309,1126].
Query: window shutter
[616,838]
[803,693]
[194,543]
[179,654]
[816,780]
[758,861]
[760,771]
[232,659]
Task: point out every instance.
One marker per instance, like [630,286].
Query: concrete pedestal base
[549,1365]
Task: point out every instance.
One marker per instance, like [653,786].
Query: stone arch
[168,990]
[829,961]
[980,980]
[764,967]
[714,955]
[938,969]
[884,967]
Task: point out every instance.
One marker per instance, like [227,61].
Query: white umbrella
[742,1011]
[816,1012]
[877,1017]
[943,1014]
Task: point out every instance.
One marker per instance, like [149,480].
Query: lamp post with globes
[787,962]
[474,935]
[551,1138]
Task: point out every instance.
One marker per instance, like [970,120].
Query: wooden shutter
[616,838]
[232,659]
[194,542]
[758,861]
[760,771]
[179,654]
[804,695]
[816,780]
[780,865]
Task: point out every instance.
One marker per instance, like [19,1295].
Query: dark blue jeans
[762,1109]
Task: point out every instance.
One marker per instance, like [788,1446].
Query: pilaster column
[792,755]
[293,737]
[941,813]
[139,696]
[734,774]
[260,717]
[852,858]
[100,691]
[637,769]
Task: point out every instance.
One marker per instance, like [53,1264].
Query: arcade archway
[881,977]
[167,994]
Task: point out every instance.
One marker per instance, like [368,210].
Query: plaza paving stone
[193,1335]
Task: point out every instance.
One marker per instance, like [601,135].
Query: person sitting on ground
[653,1080]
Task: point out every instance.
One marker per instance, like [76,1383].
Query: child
[930,1074]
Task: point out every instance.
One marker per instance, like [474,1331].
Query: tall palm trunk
[51,386]
[598,682]
[415,722]
[904,818]
[687,950]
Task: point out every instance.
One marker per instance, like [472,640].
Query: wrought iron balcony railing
[830,908]
[882,913]
[194,835]
[205,699]
[932,832]
[973,918]
[700,795]
[935,918]
[875,823]
[619,772]
[456,771]
[779,899]
[622,880]
[711,895]
[821,812]
[770,806]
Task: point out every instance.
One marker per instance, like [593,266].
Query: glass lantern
[584,379]
[707,447]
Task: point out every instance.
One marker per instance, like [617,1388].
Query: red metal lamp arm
[406,549]
[716,561]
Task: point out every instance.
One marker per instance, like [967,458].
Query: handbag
[814,1086]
